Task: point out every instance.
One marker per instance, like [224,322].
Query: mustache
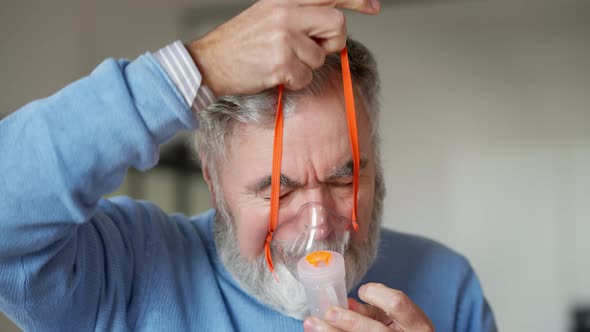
[305,244]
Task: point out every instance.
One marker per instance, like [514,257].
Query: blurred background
[485,124]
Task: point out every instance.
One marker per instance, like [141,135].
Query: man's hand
[273,42]
[387,310]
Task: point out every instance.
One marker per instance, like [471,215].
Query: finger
[348,320]
[327,26]
[321,22]
[335,44]
[363,6]
[369,311]
[297,75]
[314,324]
[397,306]
[309,52]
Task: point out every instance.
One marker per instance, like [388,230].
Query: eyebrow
[346,170]
[265,183]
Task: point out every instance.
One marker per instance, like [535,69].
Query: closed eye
[341,181]
[281,197]
[341,184]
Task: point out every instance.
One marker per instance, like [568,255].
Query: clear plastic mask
[313,228]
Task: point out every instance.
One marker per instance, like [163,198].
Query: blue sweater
[71,261]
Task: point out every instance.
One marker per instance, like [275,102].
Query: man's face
[316,166]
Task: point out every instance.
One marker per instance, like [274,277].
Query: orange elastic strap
[352,132]
[275,182]
[278,155]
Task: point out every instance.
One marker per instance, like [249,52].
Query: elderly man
[72,261]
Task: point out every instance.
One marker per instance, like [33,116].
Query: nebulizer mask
[311,244]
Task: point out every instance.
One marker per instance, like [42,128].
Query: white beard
[288,295]
[288,292]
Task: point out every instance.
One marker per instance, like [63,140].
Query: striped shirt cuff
[182,70]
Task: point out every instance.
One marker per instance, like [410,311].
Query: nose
[321,195]
[318,221]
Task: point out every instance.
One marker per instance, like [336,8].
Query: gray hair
[219,122]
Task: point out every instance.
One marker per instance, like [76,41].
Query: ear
[208,180]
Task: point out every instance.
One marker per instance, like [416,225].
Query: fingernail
[312,324]
[362,289]
[375,4]
[333,315]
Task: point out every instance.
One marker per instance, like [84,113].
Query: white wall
[486,131]
[486,127]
